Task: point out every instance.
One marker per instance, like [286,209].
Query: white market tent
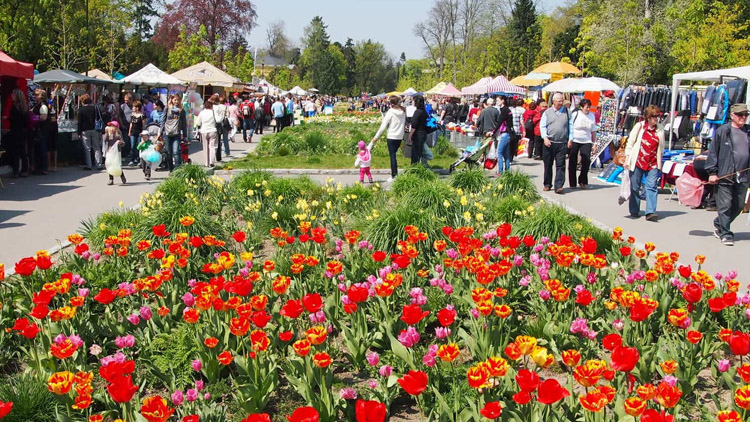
[152,76]
[297,91]
[98,74]
[410,91]
[269,88]
[706,76]
[570,85]
[473,88]
[206,74]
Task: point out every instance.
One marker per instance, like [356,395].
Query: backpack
[246,109]
[259,113]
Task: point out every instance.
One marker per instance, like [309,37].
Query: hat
[145,132]
[739,108]
[114,123]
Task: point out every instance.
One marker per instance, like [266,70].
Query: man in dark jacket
[489,118]
[728,156]
[91,138]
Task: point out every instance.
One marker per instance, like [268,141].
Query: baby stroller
[473,155]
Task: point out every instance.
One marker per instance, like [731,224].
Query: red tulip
[412,314]
[239,236]
[312,302]
[304,414]
[292,309]
[5,408]
[589,245]
[692,293]
[612,341]
[651,415]
[446,317]
[504,230]
[121,388]
[739,343]
[685,271]
[357,294]
[527,380]
[414,382]
[492,410]
[258,417]
[522,397]
[550,391]
[370,411]
[26,266]
[379,256]
[716,304]
[105,296]
[625,358]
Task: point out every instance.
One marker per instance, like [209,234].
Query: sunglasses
[741,114]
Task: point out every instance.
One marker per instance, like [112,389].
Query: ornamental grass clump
[470,180]
[515,183]
[410,178]
[30,398]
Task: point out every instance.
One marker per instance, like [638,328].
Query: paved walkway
[680,229]
[39,212]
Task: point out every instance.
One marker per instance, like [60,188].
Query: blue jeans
[133,150]
[652,190]
[175,156]
[503,153]
[224,136]
[248,124]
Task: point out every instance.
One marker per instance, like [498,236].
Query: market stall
[450,91]
[209,77]
[473,88]
[728,86]
[557,70]
[297,91]
[410,91]
[501,85]
[436,89]
[13,74]
[98,74]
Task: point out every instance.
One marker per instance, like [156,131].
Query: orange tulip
[742,397]
[668,395]
[594,401]
[571,357]
[669,367]
[729,416]
[155,409]
[60,382]
[634,406]
[448,352]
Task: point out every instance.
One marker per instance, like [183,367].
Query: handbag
[490,163]
[273,122]
[98,122]
[225,123]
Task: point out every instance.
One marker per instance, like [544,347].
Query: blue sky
[387,21]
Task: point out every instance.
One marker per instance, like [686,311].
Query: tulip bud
[723,365]
[197,365]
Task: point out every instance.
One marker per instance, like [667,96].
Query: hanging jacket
[720,100]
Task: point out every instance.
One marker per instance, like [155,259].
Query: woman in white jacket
[582,135]
[206,122]
[394,120]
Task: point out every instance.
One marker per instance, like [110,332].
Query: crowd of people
[561,136]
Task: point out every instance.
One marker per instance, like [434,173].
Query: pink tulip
[191,395]
[145,313]
[348,394]
[134,319]
[197,365]
[723,365]
[385,371]
[199,385]
[178,398]
[188,299]
[373,358]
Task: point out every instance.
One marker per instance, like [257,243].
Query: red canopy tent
[13,74]
[10,67]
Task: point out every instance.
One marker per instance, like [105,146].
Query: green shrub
[190,171]
[470,180]
[387,229]
[516,183]
[444,147]
[106,224]
[411,178]
[429,196]
[31,400]
[293,188]
[508,209]
[170,355]
[315,142]
[283,151]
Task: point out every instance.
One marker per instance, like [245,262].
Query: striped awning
[474,89]
[502,84]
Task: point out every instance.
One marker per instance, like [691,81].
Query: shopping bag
[151,156]
[624,188]
[492,154]
[689,190]
[113,161]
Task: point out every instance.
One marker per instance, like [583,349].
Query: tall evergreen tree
[525,34]
[143,11]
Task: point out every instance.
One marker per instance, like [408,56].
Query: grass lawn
[341,161]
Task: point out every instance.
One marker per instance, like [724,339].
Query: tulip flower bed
[264,299]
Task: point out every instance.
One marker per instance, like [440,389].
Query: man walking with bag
[554,128]
[728,156]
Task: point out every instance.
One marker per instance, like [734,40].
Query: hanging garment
[707,98]
[719,103]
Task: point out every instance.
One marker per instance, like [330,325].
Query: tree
[221,18]
[189,49]
[143,12]
[372,66]
[710,37]
[240,64]
[525,33]
[435,33]
[278,43]
[322,64]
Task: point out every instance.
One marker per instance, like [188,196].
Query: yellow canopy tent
[393,93]
[558,67]
[524,81]
[436,89]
